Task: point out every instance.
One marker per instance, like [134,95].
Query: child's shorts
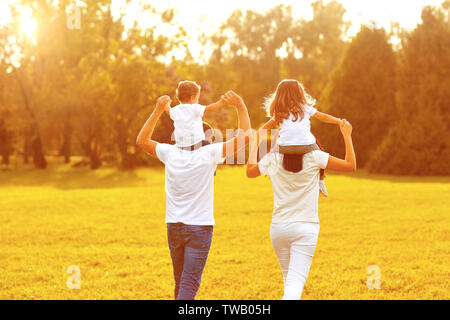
[298,149]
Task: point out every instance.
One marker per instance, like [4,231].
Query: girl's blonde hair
[288,98]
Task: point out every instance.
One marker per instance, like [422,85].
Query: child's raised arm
[326,118]
[214,106]
[269,124]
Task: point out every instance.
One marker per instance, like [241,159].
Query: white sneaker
[322,188]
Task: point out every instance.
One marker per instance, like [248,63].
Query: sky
[198,16]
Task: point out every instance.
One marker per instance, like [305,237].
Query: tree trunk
[67,143]
[5,144]
[5,149]
[26,147]
[95,161]
[127,160]
[36,149]
[94,155]
[5,158]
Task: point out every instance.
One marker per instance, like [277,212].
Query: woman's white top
[296,195]
[188,123]
[297,133]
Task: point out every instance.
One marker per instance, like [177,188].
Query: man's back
[189,182]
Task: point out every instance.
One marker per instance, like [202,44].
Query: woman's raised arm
[349,163]
[252,164]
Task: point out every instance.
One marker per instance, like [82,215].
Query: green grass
[111,224]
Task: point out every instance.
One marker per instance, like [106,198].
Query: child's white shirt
[297,133]
[188,123]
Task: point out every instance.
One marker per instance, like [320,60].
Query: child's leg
[322,171]
[322,187]
[322,174]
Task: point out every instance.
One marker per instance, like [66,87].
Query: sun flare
[28,25]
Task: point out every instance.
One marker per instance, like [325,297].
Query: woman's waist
[289,216]
[295,227]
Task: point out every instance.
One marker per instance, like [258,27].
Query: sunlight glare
[28,25]
[5,13]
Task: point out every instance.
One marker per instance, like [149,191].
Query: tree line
[88,91]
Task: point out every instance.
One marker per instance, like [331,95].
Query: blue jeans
[189,247]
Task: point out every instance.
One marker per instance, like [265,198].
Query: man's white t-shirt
[296,195]
[188,123]
[295,133]
[189,182]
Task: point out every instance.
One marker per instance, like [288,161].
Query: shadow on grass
[66,177]
[364,174]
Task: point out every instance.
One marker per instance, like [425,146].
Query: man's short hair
[187,89]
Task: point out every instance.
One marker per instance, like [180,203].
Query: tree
[319,43]
[135,78]
[362,90]
[245,55]
[29,60]
[86,87]
[253,51]
[7,118]
[418,144]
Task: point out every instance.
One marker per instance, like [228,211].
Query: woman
[295,222]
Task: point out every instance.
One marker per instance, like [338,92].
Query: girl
[290,107]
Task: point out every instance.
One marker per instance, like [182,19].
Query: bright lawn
[111,225]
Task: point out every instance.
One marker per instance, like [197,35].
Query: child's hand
[222,100]
[163,102]
[346,128]
[233,99]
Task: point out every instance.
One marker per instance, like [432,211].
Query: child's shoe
[322,188]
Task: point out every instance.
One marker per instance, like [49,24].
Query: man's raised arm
[244,132]
[144,138]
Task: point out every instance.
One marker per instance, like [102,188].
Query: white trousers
[294,244]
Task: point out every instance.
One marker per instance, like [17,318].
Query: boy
[187,116]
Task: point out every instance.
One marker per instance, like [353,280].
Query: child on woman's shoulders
[290,108]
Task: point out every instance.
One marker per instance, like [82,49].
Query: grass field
[111,224]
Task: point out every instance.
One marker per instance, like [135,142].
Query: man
[189,185]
